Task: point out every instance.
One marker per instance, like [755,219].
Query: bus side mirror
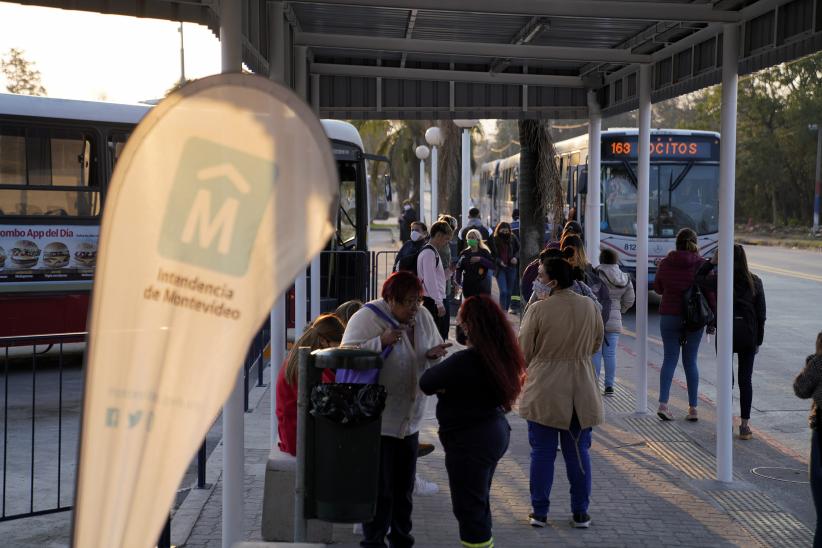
[387,187]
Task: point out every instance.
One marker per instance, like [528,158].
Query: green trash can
[343,439]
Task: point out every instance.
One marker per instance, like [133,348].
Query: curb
[185,517]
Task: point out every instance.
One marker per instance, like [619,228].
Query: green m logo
[215,207]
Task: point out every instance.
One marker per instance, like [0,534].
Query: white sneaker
[358,528]
[423,487]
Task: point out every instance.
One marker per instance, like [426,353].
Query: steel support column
[277,347]
[315,261]
[231,39]
[466,174]
[276,48]
[727,184]
[434,185]
[276,68]
[644,169]
[592,212]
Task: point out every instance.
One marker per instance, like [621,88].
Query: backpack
[409,262]
[745,322]
[696,313]
[603,295]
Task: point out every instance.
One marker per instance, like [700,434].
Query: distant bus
[684,189]
[56,161]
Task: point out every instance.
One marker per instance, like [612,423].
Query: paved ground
[651,487]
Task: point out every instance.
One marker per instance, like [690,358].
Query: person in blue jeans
[560,401]
[676,273]
[621,293]
[505,247]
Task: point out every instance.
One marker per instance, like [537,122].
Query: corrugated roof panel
[383,22]
[468,27]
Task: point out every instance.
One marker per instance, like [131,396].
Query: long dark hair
[742,273]
[494,340]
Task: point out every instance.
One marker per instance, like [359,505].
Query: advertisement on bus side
[47,252]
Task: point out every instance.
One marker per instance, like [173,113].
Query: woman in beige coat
[561,401]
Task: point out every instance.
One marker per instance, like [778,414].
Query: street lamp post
[466,126]
[433,136]
[817,195]
[422,153]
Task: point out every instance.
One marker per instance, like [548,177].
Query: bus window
[116,144]
[347,222]
[56,175]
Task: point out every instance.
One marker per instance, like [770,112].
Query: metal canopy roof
[502,58]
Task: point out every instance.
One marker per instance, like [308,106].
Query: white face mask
[406,207]
[415,235]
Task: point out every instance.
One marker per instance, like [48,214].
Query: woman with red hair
[404,333]
[475,388]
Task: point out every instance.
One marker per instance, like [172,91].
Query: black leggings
[746,363]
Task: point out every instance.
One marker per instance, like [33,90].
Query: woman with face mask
[541,288]
[473,270]
[560,400]
[417,239]
[506,252]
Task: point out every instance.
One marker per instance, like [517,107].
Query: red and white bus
[56,160]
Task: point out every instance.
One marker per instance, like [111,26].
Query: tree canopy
[20,74]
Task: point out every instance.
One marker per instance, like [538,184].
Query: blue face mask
[415,235]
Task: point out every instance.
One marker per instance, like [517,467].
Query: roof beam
[470,49]
[409,28]
[396,73]
[632,10]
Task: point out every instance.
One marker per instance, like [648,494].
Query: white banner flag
[222,195]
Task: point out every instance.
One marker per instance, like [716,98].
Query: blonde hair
[347,309]
[579,259]
[327,328]
[474,234]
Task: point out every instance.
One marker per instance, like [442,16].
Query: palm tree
[539,190]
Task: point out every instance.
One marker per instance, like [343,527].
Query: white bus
[684,189]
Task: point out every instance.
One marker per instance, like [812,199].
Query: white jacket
[621,292]
[401,371]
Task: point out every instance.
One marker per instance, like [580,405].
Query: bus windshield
[682,195]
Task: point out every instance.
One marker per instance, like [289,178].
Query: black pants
[815,469]
[398,467]
[746,363]
[442,322]
[471,456]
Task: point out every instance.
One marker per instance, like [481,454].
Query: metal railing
[42,387]
[383,265]
[42,400]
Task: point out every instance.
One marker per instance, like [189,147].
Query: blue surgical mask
[415,235]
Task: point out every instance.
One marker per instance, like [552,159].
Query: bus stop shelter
[551,59]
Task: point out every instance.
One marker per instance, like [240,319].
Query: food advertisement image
[47,252]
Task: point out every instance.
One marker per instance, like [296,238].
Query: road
[793,290]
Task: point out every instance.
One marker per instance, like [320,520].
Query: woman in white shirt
[405,334]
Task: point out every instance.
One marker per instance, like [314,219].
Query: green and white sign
[191,256]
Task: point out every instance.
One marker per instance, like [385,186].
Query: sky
[83,55]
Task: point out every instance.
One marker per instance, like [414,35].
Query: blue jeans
[671,329]
[575,445]
[608,351]
[506,279]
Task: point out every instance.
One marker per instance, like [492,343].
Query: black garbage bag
[345,403]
